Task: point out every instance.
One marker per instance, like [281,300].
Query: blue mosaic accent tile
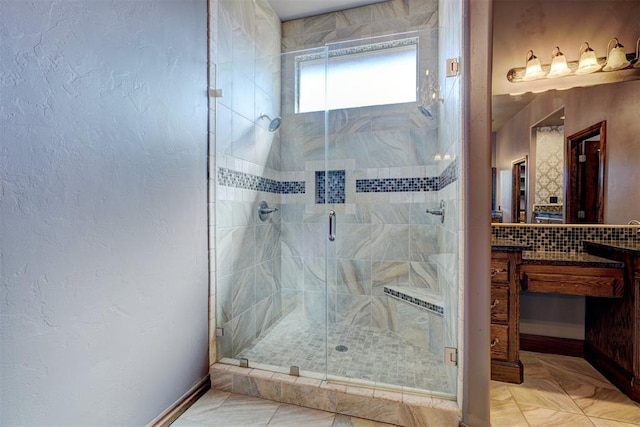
[434,308]
[449,175]
[231,178]
[335,180]
[392,185]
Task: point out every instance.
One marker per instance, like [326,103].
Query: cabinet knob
[494,342]
[494,272]
[495,303]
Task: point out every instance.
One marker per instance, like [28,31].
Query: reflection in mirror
[547,172]
[585,175]
[519,170]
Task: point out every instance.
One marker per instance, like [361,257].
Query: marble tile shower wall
[384,237]
[247,64]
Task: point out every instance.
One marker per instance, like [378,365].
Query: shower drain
[342,348]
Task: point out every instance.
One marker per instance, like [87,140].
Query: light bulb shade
[533,70]
[617,58]
[559,65]
[588,62]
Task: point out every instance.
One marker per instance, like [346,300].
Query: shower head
[425,111]
[274,124]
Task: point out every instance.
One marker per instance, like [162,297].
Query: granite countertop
[508,245]
[627,246]
[568,258]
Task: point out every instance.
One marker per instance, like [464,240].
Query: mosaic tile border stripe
[558,238]
[337,185]
[389,185]
[449,175]
[231,178]
[434,308]
[392,185]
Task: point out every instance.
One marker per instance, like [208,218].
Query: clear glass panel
[270,268]
[390,281]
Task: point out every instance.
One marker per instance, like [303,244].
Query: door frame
[572,198]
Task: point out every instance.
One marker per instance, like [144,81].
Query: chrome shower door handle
[332,225]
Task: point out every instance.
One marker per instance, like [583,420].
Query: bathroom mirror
[586,100]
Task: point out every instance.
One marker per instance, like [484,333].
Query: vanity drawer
[499,341]
[573,280]
[499,304]
[500,268]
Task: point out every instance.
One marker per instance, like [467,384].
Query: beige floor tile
[237,410]
[573,373]
[610,404]
[543,393]
[500,391]
[210,401]
[533,367]
[293,416]
[346,421]
[506,413]
[183,422]
[544,417]
[599,422]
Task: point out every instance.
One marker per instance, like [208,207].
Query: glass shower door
[389,284]
[271,268]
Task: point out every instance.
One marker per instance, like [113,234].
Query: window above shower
[374,74]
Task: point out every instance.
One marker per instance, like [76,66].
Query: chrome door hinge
[215,93]
[451,356]
[453,67]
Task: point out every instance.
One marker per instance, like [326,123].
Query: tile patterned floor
[296,341]
[557,391]
[223,409]
[560,391]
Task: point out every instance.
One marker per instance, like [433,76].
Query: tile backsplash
[562,238]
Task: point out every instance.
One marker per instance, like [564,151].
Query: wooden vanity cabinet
[505,316]
[612,326]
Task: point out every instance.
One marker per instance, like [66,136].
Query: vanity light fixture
[588,63]
[533,69]
[559,65]
[616,57]
[588,60]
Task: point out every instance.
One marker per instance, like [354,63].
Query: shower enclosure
[352,274]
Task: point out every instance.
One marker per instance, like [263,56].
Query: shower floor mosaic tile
[372,354]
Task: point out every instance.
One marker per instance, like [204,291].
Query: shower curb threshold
[402,406]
